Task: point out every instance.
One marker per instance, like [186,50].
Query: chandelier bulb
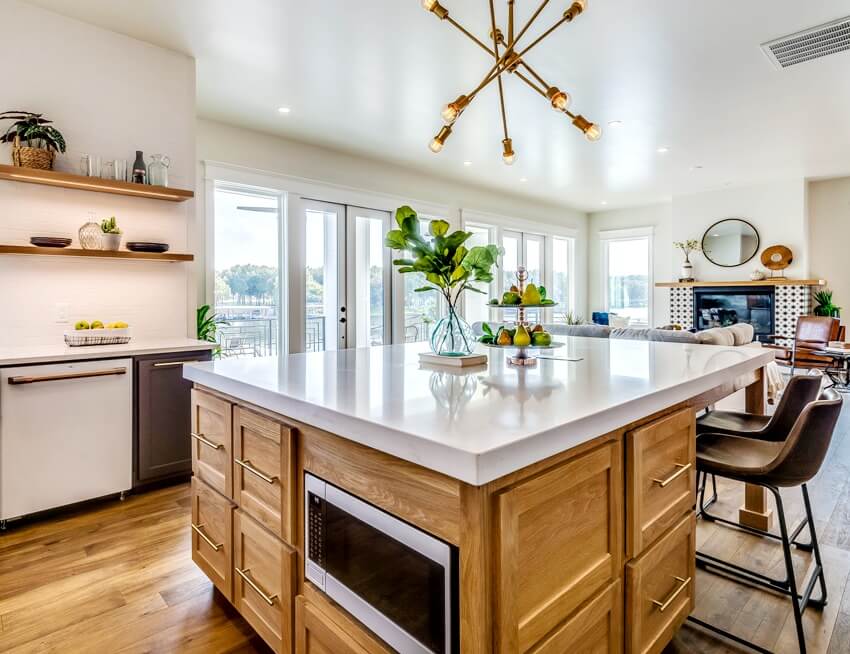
[582,4]
[435,8]
[453,110]
[593,133]
[560,100]
[508,154]
[428,5]
[439,141]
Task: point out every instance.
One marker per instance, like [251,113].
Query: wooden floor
[118,578]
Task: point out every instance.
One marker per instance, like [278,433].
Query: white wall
[829,230]
[659,217]
[777,210]
[226,144]
[109,95]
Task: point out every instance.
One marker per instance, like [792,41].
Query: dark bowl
[50,242]
[142,246]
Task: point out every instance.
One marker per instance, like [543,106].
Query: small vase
[91,236]
[111,241]
[452,336]
[687,271]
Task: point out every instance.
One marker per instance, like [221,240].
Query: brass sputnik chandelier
[510,58]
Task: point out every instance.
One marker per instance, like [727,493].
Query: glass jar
[158,170]
[452,336]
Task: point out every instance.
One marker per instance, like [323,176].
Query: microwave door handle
[23,379]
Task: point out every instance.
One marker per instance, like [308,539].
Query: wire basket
[83,337]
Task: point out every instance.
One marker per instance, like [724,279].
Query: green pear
[522,338]
[531,295]
[541,339]
[82,324]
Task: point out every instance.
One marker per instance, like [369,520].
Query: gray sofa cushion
[656,335]
[588,331]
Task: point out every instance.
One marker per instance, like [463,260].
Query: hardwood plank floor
[761,616]
[118,577]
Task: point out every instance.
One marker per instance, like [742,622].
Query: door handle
[247,465]
[200,438]
[257,589]
[16,381]
[169,364]
[663,606]
[198,529]
[682,469]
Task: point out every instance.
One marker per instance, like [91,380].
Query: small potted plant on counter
[111,234]
[34,140]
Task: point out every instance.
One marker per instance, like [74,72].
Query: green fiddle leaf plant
[448,265]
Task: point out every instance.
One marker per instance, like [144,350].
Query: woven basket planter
[33,158]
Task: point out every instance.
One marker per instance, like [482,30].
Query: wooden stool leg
[755,512]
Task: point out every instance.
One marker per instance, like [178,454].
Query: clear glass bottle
[158,170]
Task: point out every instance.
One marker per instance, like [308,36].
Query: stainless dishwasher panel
[66,434]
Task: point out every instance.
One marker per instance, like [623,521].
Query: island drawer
[264,582]
[660,589]
[212,441]
[544,574]
[264,471]
[212,536]
[326,629]
[660,477]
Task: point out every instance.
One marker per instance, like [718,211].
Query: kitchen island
[566,490]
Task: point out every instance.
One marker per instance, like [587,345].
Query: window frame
[621,235]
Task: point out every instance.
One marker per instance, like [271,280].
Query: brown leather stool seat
[773,464]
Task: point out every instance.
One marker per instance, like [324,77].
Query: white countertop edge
[51,354]
[476,469]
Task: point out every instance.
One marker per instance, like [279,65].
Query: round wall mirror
[731,242]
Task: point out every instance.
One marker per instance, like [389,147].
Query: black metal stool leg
[789,567]
[815,550]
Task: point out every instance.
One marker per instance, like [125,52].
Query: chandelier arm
[534,74]
[512,43]
[530,84]
[510,21]
[494,34]
[469,35]
[543,36]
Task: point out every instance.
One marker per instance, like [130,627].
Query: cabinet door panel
[212,536]
[325,631]
[212,441]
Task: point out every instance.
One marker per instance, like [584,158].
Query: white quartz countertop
[49,353]
[477,425]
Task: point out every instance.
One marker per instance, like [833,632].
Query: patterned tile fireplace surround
[793,298]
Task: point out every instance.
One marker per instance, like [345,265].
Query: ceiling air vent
[813,43]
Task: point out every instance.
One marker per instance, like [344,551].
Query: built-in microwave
[396,579]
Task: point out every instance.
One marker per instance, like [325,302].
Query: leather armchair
[812,333]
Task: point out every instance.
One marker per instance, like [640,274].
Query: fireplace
[721,306]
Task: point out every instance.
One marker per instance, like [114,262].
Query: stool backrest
[800,391]
[806,446]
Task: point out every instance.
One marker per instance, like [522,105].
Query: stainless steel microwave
[396,579]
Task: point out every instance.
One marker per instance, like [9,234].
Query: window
[560,288]
[627,271]
[475,304]
[421,310]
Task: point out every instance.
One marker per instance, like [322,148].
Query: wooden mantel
[761,282]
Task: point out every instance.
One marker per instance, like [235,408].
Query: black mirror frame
[740,220]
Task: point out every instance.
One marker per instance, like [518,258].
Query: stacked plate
[50,242]
[144,246]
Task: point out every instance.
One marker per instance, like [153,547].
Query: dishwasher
[66,434]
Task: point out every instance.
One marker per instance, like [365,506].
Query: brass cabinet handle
[244,574]
[663,606]
[682,469]
[198,529]
[67,375]
[200,438]
[168,364]
[247,465]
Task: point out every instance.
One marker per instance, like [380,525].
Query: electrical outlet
[62,310]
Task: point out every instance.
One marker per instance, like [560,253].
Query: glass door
[246,264]
[369,278]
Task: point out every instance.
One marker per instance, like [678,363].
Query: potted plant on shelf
[111,234]
[449,269]
[687,247]
[824,306]
[34,140]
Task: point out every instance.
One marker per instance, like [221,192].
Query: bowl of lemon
[97,332]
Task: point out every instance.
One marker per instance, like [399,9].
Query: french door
[340,292]
[529,251]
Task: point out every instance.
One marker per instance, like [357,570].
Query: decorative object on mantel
[511,60]
[687,267]
[90,235]
[757,275]
[111,238]
[730,242]
[50,241]
[824,305]
[449,269]
[42,140]
[777,258]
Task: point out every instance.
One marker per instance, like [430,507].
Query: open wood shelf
[96,184]
[102,254]
[760,282]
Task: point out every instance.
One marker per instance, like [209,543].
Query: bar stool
[800,390]
[774,465]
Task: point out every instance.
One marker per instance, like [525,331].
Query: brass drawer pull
[198,529]
[682,469]
[16,381]
[169,364]
[663,606]
[250,582]
[200,438]
[247,465]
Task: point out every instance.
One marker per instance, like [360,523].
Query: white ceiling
[371,77]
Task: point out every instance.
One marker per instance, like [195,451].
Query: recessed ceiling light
[616,124]
[604,202]
[523,179]
[284,110]
[697,167]
[467,163]
[663,149]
